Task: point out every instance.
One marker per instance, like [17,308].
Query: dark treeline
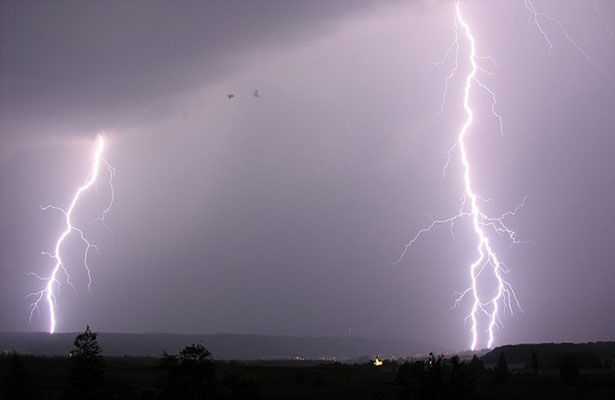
[586,355]
[192,373]
[189,375]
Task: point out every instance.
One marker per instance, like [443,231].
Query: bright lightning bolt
[504,296]
[486,254]
[48,293]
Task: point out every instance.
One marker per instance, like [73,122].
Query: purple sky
[284,214]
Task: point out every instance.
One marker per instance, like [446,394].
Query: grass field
[138,378]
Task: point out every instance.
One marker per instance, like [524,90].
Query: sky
[284,214]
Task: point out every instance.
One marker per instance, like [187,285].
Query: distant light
[377,362]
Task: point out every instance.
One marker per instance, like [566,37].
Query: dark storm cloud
[102,60]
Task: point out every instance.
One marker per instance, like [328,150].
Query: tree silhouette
[410,371]
[459,371]
[476,366]
[462,382]
[535,363]
[87,364]
[568,370]
[435,378]
[501,372]
[191,375]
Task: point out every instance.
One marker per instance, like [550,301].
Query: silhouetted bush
[607,364]
[535,363]
[435,379]
[408,371]
[501,371]
[191,375]
[568,370]
[459,370]
[476,366]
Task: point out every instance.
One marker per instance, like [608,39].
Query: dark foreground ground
[139,378]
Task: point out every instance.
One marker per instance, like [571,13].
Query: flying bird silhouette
[255,94]
[230,96]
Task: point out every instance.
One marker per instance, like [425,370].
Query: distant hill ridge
[222,346]
[550,353]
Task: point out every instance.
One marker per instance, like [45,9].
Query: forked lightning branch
[47,296]
[486,303]
[486,263]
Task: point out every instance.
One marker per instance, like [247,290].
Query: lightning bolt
[48,293]
[536,16]
[504,297]
[604,21]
